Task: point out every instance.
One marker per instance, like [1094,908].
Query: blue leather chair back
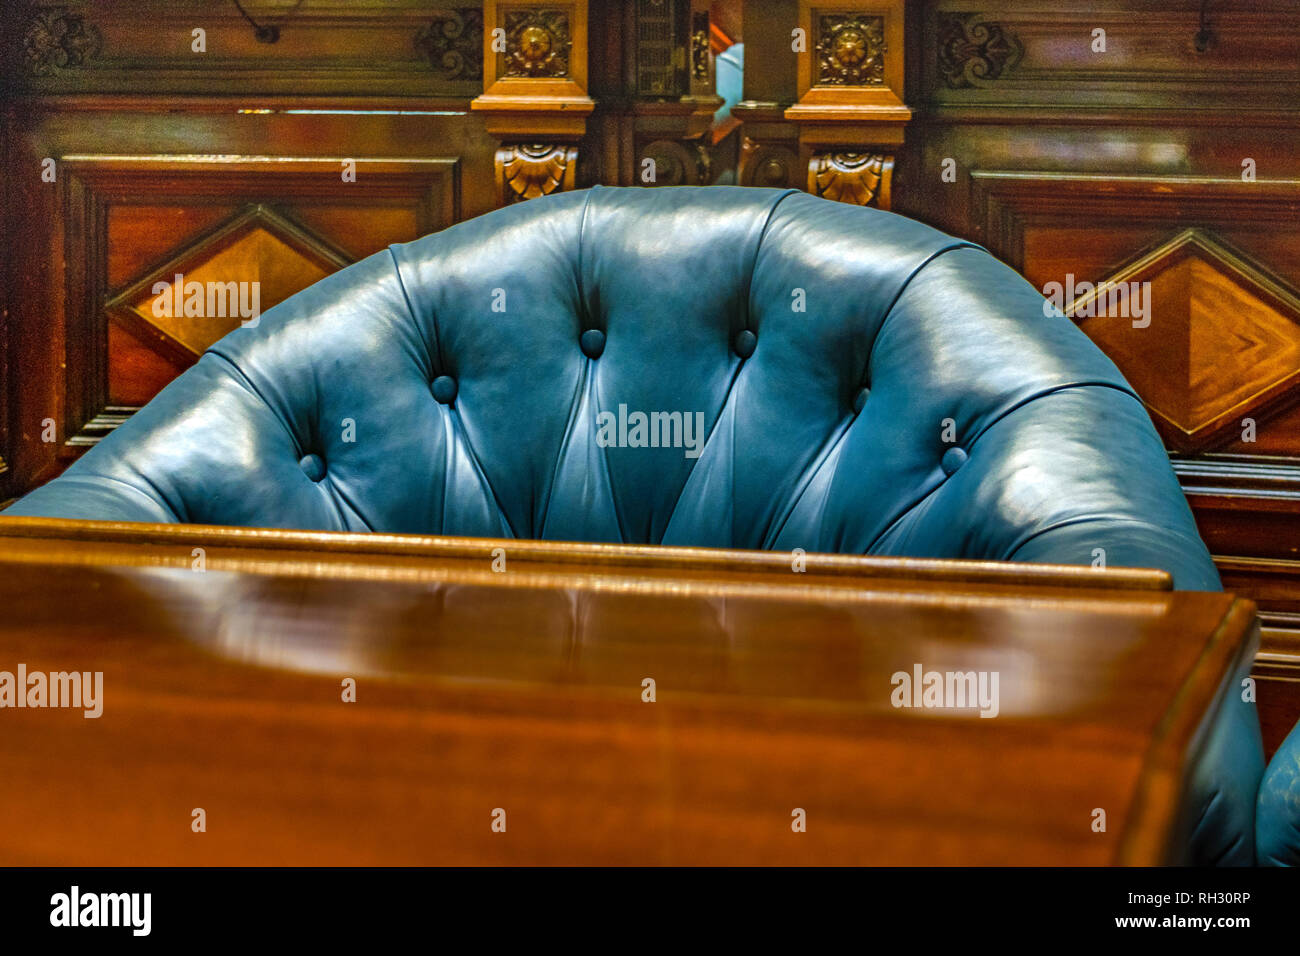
[720,366]
[864,384]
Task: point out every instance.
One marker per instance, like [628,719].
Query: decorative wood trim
[770,164]
[974,52]
[828,101]
[375,47]
[850,49]
[255,215]
[535,87]
[821,569]
[526,171]
[55,40]
[90,181]
[850,112]
[1030,60]
[453,43]
[1270,393]
[1003,202]
[678,163]
[861,179]
[534,96]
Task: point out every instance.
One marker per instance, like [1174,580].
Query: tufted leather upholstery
[919,403]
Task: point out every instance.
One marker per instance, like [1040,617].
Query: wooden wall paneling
[111,217]
[358,48]
[1037,62]
[258,244]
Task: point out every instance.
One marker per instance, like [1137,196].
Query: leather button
[313,467]
[593,343]
[953,459]
[745,343]
[444,389]
[860,399]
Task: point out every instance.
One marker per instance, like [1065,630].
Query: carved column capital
[528,170]
[863,179]
[850,112]
[534,93]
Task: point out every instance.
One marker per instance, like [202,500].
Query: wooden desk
[522,689]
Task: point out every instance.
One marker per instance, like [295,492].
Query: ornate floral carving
[973,51]
[537,43]
[57,40]
[862,179]
[526,171]
[453,43]
[700,45]
[850,50]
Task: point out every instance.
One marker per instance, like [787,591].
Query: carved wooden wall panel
[119,350]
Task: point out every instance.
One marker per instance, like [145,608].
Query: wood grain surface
[521,690]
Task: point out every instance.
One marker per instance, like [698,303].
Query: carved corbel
[863,179]
[850,113]
[526,171]
[534,96]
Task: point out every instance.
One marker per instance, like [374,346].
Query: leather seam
[713,430]
[969,446]
[758,248]
[889,310]
[575,400]
[241,379]
[970,441]
[566,440]
[819,461]
[434,360]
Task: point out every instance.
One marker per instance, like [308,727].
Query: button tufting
[593,343]
[745,343]
[444,389]
[313,467]
[860,399]
[953,459]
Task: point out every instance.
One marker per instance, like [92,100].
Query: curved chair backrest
[699,366]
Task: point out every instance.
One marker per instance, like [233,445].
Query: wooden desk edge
[526,551]
[1151,831]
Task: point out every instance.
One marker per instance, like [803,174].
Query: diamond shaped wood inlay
[258,257]
[1222,343]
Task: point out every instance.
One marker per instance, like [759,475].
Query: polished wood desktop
[504,684]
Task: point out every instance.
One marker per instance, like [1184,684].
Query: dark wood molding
[363,47]
[1030,58]
[1004,201]
[453,43]
[55,40]
[92,181]
[972,51]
